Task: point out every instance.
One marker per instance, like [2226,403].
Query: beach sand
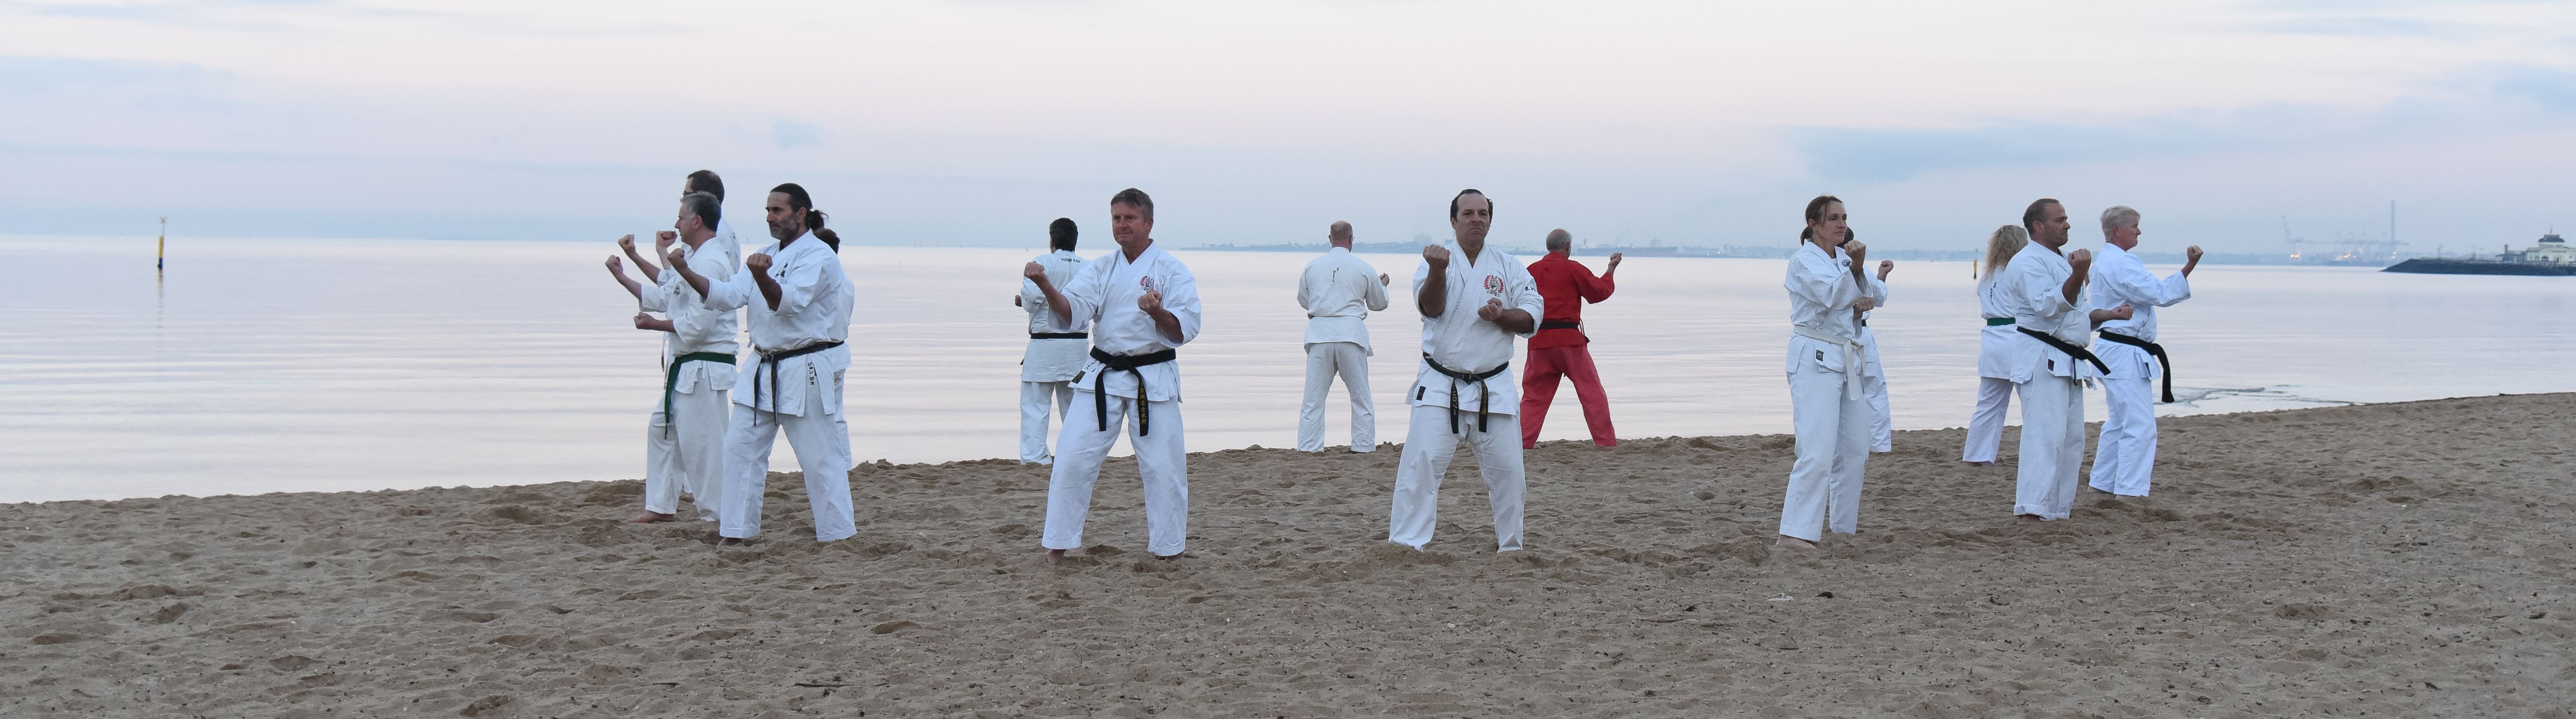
[2390,560]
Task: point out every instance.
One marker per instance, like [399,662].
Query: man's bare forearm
[1435,294]
[656,325]
[769,289]
[1167,323]
[1516,321]
[2074,288]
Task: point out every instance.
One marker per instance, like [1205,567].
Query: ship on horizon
[2549,257]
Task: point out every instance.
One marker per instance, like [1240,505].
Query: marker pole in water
[161,246]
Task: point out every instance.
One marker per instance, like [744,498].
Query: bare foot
[2027,519]
[1055,556]
[1171,557]
[729,541]
[1793,543]
[649,517]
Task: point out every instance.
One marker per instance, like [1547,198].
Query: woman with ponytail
[1827,282]
[1994,345]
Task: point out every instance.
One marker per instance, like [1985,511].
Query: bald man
[1561,349]
[1338,291]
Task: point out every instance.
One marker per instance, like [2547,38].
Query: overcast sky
[1254,122]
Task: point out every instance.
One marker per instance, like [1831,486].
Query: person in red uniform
[1560,349]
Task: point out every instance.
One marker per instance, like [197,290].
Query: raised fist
[2191,253]
[642,320]
[2080,259]
[757,263]
[1493,310]
[1859,252]
[1436,254]
[662,240]
[1614,259]
[616,266]
[1150,301]
[2122,312]
[1864,305]
[1884,267]
[679,259]
[1383,280]
[626,243]
[1035,272]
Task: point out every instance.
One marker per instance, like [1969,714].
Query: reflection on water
[277,365]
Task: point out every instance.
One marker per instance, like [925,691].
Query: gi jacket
[2032,291]
[814,304]
[2118,278]
[1105,293]
[1464,342]
[695,327]
[1822,291]
[1052,360]
[1338,291]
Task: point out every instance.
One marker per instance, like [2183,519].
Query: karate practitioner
[1055,345]
[1474,300]
[2043,292]
[1338,293]
[800,300]
[1141,303]
[1994,350]
[2125,457]
[1827,280]
[1882,424]
[684,440]
[1561,349]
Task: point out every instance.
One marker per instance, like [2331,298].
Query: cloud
[786,133]
[40,76]
[2550,88]
[2360,26]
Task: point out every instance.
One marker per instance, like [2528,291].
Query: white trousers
[1034,397]
[1833,447]
[1986,425]
[1161,458]
[688,457]
[2052,446]
[2125,457]
[822,444]
[1882,425]
[1324,360]
[1428,448]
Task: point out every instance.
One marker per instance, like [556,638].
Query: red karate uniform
[1560,349]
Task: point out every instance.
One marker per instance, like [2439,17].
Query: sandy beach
[2410,559]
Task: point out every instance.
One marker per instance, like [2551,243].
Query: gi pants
[1428,448]
[1034,397]
[1986,425]
[1833,447]
[2126,454]
[2052,446]
[822,444]
[1873,389]
[689,457]
[1325,360]
[1538,390]
[1161,458]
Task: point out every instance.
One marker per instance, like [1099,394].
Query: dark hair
[1135,198]
[705,206]
[2031,216]
[798,200]
[1061,234]
[706,181]
[1453,201]
[1816,211]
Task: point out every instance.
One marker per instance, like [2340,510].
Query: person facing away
[1561,348]
[1995,342]
[1056,345]
[1338,290]
[1474,299]
[1143,304]
[800,300]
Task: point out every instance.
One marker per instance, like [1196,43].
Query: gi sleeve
[1521,292]
[1375,295]
[2026,287]
[1825,287]
[2130,282]
[1034,300]
[730,293]
[1090,287]
[1181,298]
[1594,289]
[1877,292]
[1421,276]
[1306,287]
[659,297]
[800,284]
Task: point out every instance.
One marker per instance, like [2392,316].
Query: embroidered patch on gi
[1494,284]
[1146,282]
[1820,355]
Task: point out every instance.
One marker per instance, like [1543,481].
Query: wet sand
[2412,559]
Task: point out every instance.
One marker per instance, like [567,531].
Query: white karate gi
[1827,378]
[1873,389]
[1338,291]
[2032,289]
[797,396]
[1048,367]
[2124,459]
[684,447]
[1994,381]
[1486,416]
[1104,293]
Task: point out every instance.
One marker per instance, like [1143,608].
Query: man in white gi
[1142,303]
[684,441]
[2044,291]
[800,300]
[1338,293]
[2126,455]
[1474,300]
[1829,286]
[1056,344]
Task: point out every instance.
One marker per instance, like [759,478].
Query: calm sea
[297,365]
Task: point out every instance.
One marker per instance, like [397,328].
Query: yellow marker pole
[161,246]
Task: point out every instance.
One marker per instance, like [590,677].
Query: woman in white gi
[1994,345]
[1826,281]
[1056,345]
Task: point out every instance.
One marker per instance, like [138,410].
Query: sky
[975,122]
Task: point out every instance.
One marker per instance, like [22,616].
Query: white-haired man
[2125,458]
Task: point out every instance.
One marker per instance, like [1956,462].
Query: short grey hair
[1559,241]
[2117,217]
[705,205]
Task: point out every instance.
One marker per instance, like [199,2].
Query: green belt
[1998,321]
[671,382]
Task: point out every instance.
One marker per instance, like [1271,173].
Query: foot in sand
[649,517]
[2027,519]
[1171,557]
[1055,556]
[1977,464]
[1790,542]
[731,541]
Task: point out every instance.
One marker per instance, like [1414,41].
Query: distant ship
[2550,257]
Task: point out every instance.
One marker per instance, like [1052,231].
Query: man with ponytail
[1829,286]
[800,301]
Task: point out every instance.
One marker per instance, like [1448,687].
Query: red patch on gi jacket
[1494,284]
[1146,282]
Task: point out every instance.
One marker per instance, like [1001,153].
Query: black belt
[1860,322]
[1059,335]
[1560,324]
[2070,350]
[2151,348]
[1484,401]
[771,358]
[1128,364]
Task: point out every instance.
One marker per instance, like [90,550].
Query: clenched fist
[1150,301]
[2080,260]
[1614,260]
[1437,255]
[1885,266]
[2122,312]
[662,240]
[616,266]
[757,263]
[626,243]
[1859,252]
[1035,272]
[1383,280]
[680,260]
[2191,253]
[1493,310]
[643,321]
